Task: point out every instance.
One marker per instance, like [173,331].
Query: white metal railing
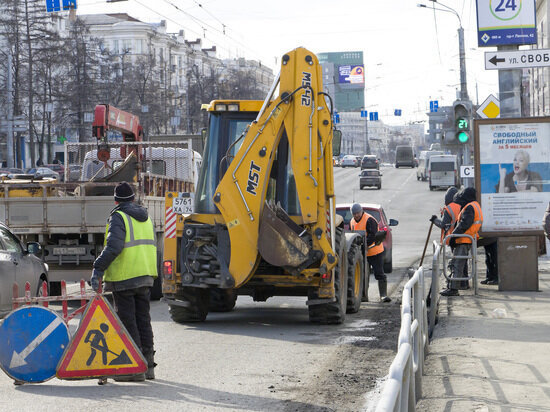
[404,385]
[472,255]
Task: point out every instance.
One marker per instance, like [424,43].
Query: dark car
[18,263]
[370,177]
[41,172]
[377,212]
[59,168]
[370,162]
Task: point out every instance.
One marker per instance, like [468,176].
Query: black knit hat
[124,192]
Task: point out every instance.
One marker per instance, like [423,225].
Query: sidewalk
[478,361]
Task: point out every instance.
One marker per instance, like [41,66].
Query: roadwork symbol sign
[101,346]
[32,341]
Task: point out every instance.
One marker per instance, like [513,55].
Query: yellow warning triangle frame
[138,365]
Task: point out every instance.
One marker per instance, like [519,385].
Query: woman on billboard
[521,179]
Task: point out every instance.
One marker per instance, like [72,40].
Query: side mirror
[336,142]
[394,222]
[34,248]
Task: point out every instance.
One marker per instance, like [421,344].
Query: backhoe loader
[262,221]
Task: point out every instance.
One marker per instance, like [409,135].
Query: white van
[423,161]
[443,171]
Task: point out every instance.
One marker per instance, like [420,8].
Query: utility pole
[462,57]
[9,141]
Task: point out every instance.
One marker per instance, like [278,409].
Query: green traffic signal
[463,137]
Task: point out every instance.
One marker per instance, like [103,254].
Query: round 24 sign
[506,22]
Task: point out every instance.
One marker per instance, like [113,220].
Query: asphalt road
[267,356]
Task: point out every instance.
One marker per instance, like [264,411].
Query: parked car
[7,171]
[370,162]
[58,168]
[39,172]
[19,263]
[370,177]
[350,161]
[377,212]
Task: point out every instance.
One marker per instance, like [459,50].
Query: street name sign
[518,59]
[32,341]
[101,346]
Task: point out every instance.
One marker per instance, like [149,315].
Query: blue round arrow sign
[32,341]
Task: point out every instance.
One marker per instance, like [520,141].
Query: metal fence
[404,385]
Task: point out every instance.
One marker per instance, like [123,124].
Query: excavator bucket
[279,241]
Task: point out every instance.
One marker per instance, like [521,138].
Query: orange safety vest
[362,225]
[453,209]
[476,226]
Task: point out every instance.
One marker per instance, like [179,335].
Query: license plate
[72,251]
[183,204]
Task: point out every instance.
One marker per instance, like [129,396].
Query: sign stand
[101,347]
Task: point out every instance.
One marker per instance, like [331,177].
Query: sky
[410,53]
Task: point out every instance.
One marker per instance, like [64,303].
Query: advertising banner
[501,22]
[351,74]
[514,173]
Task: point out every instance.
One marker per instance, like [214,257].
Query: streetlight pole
[461,50]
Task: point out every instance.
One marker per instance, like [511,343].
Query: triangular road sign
[100,347]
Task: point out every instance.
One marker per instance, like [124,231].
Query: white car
[19,263]
[349,161]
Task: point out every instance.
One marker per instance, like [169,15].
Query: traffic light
[463,118]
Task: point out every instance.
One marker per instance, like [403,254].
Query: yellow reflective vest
[139,256]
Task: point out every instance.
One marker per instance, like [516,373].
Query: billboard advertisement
[513,173]
[501,22]
[351,74]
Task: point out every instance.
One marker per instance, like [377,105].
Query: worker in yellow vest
[469,222]
[128,265]
[375,252]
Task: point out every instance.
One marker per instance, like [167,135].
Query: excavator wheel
[356,279]
[222,300]
[198,309]
[334,312]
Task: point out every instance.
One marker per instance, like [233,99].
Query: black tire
[379,186]
[431,188]
[334,312]
[397,166]
[43,278]
[356,278]
[55,289]
[222,300]
[198,309]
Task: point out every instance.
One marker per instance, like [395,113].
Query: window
[8,242]
[115,46]
[126,45]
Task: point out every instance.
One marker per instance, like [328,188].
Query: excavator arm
[257,226]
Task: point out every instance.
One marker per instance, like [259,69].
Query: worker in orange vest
[469,223]
[450,214]
[375,252]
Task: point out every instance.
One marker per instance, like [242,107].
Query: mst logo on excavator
[253,178]
[306,82]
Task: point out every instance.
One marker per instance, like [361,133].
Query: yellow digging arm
[301,114]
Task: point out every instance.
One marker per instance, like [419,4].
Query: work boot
[383,291]
[140,377]
[150,358]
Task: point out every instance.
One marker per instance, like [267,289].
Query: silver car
[19,263]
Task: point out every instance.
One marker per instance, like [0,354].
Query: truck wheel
[431,188]
[356,277]
[334,312]
[222,300]
[198,309]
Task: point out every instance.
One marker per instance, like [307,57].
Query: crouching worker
[375,253]
[469,222]
[128,264]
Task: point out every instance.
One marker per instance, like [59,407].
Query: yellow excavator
[262,221]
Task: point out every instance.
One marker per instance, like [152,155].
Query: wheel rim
[357,284]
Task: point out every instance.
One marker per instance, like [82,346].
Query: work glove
[96,279]
[433,218]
